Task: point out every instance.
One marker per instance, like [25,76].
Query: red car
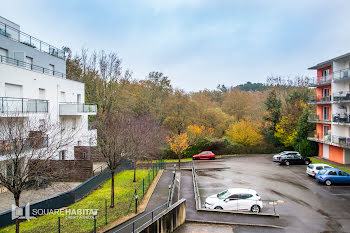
[204,155]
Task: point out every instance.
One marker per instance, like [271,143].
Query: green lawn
[320,161]
[124,190]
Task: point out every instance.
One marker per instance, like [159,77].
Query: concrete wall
[170,220]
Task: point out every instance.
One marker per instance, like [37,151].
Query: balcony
[341,75]
[333,140]
[24,38]
[319,99]
[315,118]
[75,109]
[32,142]
[14,106]
[341,119]
[319,81]
[318,137]
[341,97]
[28,66]
[340,141]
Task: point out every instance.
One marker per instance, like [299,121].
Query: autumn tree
[245,133]
[179,144]
[286,130]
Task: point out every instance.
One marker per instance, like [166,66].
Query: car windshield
[311,166]
[322,172]
[224,194]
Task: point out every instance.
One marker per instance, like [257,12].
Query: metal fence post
[94,223]
[59,224]
[153,173]
[106,211]
[133,227]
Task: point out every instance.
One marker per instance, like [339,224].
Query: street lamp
[136,198]
[94,213]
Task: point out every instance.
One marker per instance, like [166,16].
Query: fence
[70,197]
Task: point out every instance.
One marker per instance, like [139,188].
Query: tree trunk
[179,161]
[17,205]
[134,171]
[112,190]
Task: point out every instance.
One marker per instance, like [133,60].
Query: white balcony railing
[72,109]
[10,105]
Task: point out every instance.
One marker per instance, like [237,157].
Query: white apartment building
[33,85]
[332,115]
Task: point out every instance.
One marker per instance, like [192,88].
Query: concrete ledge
[240,213]
[234,224]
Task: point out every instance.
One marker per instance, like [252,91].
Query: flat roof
[329,62]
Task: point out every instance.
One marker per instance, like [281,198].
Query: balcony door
[325,74]
[325,113]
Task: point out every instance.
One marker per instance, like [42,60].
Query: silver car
[277,157]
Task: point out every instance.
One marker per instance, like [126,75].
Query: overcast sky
[197,43]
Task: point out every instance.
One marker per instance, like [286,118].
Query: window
[79,143]
[246,196]
[42,93]
[41,124]
[325,130]
[341,173]
[3,52]
[325,92]
[319,168]
[62,155]
[74,124]
[224,194]
[78,98]
[332,173]
[325,113]
[84,156]
[235,196]
[326,73]
[90,141]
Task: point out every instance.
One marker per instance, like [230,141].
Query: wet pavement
[304,205]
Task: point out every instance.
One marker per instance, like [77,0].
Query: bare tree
[112,141]
[146,138]
[26,146]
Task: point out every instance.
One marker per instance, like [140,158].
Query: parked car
[276,158]
[314,168]
[294,159]
[204,155]
[333,175]
[235,199]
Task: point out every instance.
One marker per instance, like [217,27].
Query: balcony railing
[24,38]
[317,118]
[77,109]
[341,141]
[341,96]
[341,118]
[22,105]
[9,146]
[28,66]
[322,80]
[319,99]
[341,75]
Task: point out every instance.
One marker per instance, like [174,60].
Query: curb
[140,212]
[234,224]
[240,213]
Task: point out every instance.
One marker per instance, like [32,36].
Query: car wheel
[307,162]
[255,209]
[328,182]
[212,158]
[218,208]
[287,163]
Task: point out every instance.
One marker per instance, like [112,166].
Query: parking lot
[302,203]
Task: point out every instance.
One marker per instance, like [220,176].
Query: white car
[276,158]
[314,168]
[239,199]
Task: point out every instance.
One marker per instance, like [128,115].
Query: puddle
[301,202]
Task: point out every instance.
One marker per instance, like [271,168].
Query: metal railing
[317,118]
[341,75]
[197,196]
[341,96]
[341,118]
[341,141]
[22,105]
[319,99]
[26,39]
[13,146]
[315,81]
[29,66]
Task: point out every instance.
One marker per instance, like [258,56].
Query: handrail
[33,42]
[22,105]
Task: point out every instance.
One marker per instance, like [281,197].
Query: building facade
[332,101]
[34,87]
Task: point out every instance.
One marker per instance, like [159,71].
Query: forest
[248,118]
